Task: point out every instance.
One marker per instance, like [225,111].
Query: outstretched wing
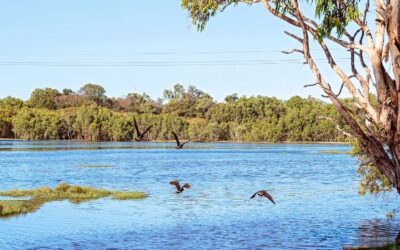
[136,127]
[254,195]
[147,130]
[176,138]
[184,143]
[176,184]
[187,185]
[266,194]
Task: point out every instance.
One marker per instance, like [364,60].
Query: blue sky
[144,46]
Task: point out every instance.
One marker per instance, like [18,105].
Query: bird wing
[176,138]
[176,184]
[266,194]
[136,127]
[185,143]
[147,130]
[187,185]
[254,195]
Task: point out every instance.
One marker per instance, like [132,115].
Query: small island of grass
[75,194]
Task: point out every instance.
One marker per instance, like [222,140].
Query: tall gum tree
[373,67]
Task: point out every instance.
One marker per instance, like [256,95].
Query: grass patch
[128,195]
[95,166]
[64,191]
[334,152]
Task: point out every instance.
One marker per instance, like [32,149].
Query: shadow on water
[377,235]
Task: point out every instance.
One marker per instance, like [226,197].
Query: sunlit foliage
[190,112]
[334,15]
[372,182]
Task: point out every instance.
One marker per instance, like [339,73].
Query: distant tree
[43,98]
[72,100]
[94,92]
[175,93]
[9,107]
[67,91]
[137,103]
[231,98]
[192,102]
[36,124]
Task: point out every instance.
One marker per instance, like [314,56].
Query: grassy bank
[38,197]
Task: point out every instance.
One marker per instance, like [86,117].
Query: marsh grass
[127,195]
[64,191]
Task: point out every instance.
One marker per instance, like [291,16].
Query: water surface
[317,202]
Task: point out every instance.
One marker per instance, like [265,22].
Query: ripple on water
[317,202]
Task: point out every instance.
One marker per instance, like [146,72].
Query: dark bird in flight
[178,144]
[265,194]
[180,189]
[140,136]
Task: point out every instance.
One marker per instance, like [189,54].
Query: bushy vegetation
[90,115]
[373,181]
[38,197]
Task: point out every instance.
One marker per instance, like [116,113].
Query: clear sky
[144,46]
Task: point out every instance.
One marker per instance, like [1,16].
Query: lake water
[316,194]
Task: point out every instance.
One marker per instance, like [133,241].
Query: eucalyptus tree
[43,98]
[373,46]
[94,92]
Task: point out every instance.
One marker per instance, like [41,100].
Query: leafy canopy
[333,14]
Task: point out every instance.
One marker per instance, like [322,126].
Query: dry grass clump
[128,195]
[63,191]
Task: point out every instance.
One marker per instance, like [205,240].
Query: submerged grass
[64,191]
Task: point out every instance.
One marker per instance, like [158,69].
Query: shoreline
[225,142]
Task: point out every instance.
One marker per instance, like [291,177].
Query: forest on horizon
[88,114]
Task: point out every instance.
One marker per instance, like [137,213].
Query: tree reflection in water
[377,234]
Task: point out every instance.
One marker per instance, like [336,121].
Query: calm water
[317,202]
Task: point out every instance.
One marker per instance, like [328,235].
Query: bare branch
[293,51]
[311,85]
[294,37]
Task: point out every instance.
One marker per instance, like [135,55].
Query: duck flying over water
[180,189]
[178,144]
[265,194]
[140,136]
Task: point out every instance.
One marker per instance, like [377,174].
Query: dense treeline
[89,114]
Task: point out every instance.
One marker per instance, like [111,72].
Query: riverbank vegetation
[88,114]
[33,199]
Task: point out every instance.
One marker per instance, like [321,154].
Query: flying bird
[178,144]
[265,194]
[180,189]
[140,136]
